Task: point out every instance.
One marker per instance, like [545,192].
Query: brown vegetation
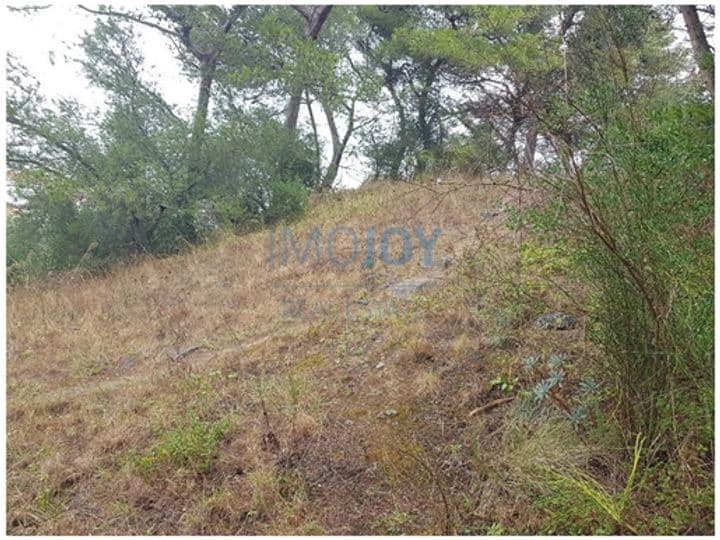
[207,393]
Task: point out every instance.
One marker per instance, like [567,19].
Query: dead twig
[490,406]
[176,356]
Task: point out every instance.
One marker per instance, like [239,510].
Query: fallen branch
[490,406]
[179,355]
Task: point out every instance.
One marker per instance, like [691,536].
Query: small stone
[405,289]
[127,362]
[380,365]
[387,413]
[556,321]
[293,308]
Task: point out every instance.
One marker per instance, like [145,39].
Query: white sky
[47,40]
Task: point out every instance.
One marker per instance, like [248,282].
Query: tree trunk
[701,49]
[510,140]
[423,122]
[315,17]
[530,145]
[197,137]
[403,129]
[316,138]
[338,144]
[293,110]
[424,127]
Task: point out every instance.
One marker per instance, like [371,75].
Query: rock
[405,289]
[448,261]
[556,321]
[293,308]
[380,365]
[387,413]
[127,362]
[490,213]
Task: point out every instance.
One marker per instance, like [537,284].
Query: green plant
[586,487]
[287,200]
[496,529]
[505,384]
[395,522]
[191,445]
[46,500]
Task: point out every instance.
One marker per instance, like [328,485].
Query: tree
[314,18]
[413,81]
[701,48]
[351,83]
[502,58]
[200,35]
[45,140]
[100,186]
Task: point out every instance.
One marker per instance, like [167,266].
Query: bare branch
[130,17]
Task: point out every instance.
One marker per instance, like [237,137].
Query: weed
[585,487]
[46,500]
[265,490]
[192,445]
[496,529]
[395,522]
[505,384]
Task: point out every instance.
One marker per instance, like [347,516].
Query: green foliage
[689,499]
[545,259]
[287,200]
[638,213]
[257,170]
[655,280]
[481,153]
[505,385]
[132,187]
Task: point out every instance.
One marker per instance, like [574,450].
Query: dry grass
[300,365]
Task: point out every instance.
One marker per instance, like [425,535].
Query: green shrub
[287,200]
[255,172]
[652,267]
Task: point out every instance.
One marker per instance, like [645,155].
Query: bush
[254,172]
[637,219]
[642,212]
[656,280]
[66,226]
[481,154]
[286,200]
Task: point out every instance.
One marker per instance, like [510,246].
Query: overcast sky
[47,40]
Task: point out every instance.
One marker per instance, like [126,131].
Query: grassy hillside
[213,393]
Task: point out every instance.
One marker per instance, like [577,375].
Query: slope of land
[211,392]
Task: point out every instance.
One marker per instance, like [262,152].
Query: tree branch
[130,17]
